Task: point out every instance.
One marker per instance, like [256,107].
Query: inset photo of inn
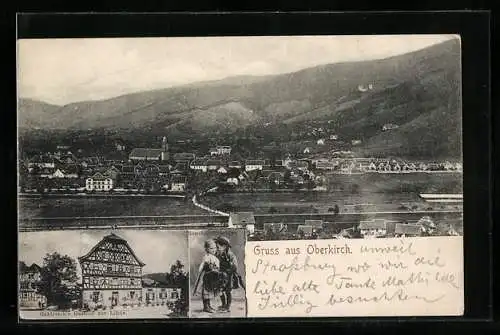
[217,269]
[103,274]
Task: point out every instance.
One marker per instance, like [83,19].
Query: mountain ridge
[406,87]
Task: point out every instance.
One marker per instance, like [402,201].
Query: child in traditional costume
[229,269]
[209,273]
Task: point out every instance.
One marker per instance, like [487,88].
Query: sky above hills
[62,71]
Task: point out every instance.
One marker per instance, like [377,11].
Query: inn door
[114,299]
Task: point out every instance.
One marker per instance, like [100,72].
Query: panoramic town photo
[288,137]
[103,274]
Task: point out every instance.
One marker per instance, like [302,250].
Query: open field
[352,193]
[397,183]
[113,206]
[336,221]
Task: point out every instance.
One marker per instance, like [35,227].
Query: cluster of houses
[96,174]
[367,165]
[265,173]
[159,169]
[147,166]
[142,175]
[54,165]
[386,228]
[376,228]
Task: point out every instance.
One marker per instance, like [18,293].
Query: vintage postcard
[338,157]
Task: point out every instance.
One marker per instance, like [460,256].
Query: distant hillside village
[161,170]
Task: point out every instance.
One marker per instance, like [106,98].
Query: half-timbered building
[29,276]
[111,274]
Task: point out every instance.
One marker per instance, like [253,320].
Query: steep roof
[214,162]
[71,168]
[114,238]
[103,175]
[273,226]
[164,168]
[176,179]
[314,223]
[23,268]
[199,162]
[242,218]
[298,164]
[184,155]
[408,229]
[255,162]
[373,224]
[145,152]
[151,283]
[127,169]
[41,159]
[305,229]
[181,166]
[325,164]
[266,173]
[276,175]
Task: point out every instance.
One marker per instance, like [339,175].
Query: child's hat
[223,241]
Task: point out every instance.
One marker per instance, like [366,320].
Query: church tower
[164,147]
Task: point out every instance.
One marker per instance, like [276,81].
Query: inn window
[95,297]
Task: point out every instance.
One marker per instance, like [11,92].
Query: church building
[151,154]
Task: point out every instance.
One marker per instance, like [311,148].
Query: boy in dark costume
[229,269]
